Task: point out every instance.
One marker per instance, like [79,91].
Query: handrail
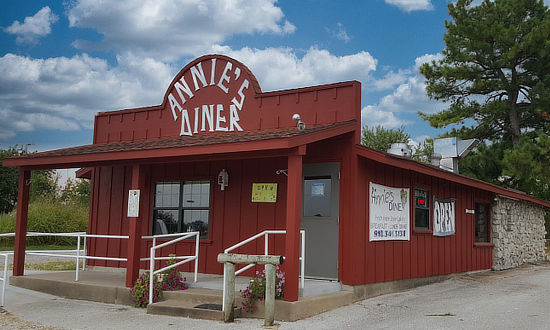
[4,278]
[266,234]
[186,259]
[85,257]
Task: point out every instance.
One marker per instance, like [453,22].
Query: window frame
[181,208]
[421,230]
[487,222]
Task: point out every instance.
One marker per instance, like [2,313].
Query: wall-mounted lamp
[223,179]
[301,125]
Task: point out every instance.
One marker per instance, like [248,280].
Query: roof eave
[412,165]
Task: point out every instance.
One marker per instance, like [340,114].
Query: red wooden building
[369,216]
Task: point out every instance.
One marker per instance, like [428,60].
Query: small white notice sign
[133,203]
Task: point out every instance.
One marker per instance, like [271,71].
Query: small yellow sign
[264,192]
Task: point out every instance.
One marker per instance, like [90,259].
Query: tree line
[494,75]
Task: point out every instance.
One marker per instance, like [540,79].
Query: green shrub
[48,216]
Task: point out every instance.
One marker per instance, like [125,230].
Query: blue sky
[63,61]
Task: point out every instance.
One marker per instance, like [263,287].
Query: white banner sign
[444,217]
[389,213]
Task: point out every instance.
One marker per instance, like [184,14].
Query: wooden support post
[229,260]
[134,240]
[21,223]
[269,295]
[293,221]
[229,287]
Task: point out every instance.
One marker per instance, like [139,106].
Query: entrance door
[320,213]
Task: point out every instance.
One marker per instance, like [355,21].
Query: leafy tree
[528,165]
[76,191]
[381,138]
[494,70]
[485,162]
[43,183]
[424,151]
[8,182]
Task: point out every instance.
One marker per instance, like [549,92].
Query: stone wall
[517,229]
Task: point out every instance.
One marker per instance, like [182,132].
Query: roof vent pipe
[435,159]
[400,149]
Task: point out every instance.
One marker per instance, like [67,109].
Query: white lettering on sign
[205,118]
[389,213]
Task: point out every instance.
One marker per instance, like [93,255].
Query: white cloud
[281,68]
[65,93]
[372,117]
[170,29]
[409,96]
[427,58]
[389,81]
[411,5]
[33,27]
[339,33]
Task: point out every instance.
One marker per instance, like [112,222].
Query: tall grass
[48,216]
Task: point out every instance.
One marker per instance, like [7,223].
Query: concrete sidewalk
[511,299]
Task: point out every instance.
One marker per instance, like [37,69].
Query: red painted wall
[233,217]
[424,255]
[317,105]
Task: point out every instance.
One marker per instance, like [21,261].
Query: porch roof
[166,149]
[419,167]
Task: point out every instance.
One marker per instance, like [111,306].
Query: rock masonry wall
[518,233]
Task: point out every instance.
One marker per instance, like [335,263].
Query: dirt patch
[9,321]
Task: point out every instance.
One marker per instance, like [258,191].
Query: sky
[61,62]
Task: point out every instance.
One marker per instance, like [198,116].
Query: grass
[48,216]
[41,247]
[52,266]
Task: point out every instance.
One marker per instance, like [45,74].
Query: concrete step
[195,296]
[197,303]
[173,307]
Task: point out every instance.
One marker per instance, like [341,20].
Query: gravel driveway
[512,299]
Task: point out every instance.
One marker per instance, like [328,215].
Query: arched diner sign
[210,95]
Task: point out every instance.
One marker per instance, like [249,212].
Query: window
[421,209]
[181,207]
[317,196]
[482,222]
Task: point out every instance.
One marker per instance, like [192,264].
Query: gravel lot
[512,299]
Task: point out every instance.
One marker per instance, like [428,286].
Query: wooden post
[134,231]
[269,295]
[229,287]
[21,222]
[293,221]
[229,260]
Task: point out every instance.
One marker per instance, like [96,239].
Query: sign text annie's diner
[220,117]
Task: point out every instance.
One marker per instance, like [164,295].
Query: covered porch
[248,157]
[109,287]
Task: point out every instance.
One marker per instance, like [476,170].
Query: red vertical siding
[424,255]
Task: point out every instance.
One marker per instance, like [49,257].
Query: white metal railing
[186,259]
[76,254]
[5,277]
[266,234]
